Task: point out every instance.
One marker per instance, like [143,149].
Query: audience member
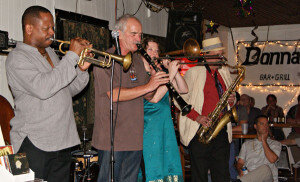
[259,155]
[273,112]
[242,114]
[252,112]
[291,142]
[293,116]
[252,102]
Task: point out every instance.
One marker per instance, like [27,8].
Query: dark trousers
[126,167]
[213,156]
[50,166]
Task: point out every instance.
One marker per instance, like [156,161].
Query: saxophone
[206,134]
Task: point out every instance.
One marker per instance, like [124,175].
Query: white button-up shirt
[252,153]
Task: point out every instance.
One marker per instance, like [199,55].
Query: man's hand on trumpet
[77,45]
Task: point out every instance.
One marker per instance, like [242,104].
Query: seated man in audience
[252,112]
[273,112]
[252,102]
[242,114]
[259,155]
[293,143]
[293,117]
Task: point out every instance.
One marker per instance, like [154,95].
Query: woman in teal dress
[160,149]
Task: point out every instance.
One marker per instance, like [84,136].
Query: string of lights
[288,105]
[282,43]
[276,88]
[288,43]
[280,90]
[268,85]
[270,89]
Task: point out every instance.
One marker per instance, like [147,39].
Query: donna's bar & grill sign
[275,62]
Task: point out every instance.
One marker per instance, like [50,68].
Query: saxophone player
[206,86]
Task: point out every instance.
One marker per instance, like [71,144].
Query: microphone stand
[115,35]
[112,161]
[86,157]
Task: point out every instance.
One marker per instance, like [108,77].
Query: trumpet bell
[127,62]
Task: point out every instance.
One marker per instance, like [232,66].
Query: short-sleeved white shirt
[252,153]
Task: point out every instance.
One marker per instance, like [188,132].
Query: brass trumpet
[125,61]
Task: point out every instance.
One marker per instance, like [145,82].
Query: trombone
[125,61]
[191,50]
[222,62]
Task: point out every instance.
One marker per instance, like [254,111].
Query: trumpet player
[206,85]
[43,86]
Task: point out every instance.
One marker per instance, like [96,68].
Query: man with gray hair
[127,102]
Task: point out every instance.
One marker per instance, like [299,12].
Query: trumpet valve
[81,57]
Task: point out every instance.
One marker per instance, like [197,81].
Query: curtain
[83,103]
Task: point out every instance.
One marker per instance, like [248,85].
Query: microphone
[115,35]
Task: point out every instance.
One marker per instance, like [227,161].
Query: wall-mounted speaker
[182,26]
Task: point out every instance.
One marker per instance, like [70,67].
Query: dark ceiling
[266,12]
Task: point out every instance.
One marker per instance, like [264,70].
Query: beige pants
[260,174]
